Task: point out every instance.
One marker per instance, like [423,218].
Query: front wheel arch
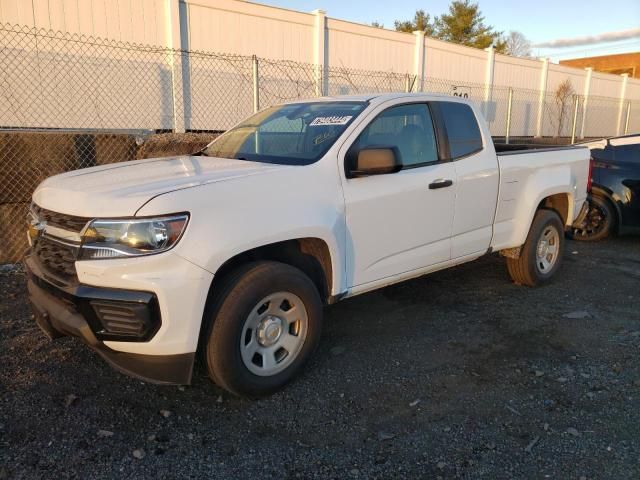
[311,255]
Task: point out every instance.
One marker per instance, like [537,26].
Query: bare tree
[562,99]
[517,44]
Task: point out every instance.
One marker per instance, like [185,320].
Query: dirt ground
[460,374]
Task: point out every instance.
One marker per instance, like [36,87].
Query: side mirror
[373,161]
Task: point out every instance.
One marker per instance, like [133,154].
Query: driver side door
[399,222]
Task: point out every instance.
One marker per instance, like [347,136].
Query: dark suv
[615,191]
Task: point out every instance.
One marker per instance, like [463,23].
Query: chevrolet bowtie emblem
[36,228]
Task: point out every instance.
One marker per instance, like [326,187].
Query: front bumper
[67,311]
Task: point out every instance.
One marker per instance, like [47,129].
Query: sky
[540,21]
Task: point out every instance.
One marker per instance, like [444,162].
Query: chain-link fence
[70,101]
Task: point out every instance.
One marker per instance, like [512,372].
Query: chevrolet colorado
[233,252]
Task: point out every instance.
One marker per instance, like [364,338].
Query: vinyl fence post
[623,91]
[626,122]
[585,102]
[320,53]
[418,60]
[509,106]
[576,102]
[488,82]
[256,84]
[544,74]
[177,63]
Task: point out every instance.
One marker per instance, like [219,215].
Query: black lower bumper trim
[58,318]
[113,314]
[160,369]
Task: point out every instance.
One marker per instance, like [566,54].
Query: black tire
[599,222]
[527,270]
[234,302]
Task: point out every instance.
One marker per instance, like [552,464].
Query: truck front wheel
[265,324]
[541,254]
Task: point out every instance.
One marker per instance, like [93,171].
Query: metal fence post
[626,122]
[256,84]
[576,102]
[509,106]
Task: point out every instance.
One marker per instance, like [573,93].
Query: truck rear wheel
[265,324]
[542,253]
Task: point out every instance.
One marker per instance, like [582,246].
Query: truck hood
[120,189]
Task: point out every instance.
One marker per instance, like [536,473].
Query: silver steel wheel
[548,249]
[274,333]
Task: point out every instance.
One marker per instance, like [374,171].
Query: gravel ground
[460,374]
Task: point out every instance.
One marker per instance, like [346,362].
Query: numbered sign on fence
[464,92]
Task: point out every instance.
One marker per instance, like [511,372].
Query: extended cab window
[462,129]
[292,134]
[408,128]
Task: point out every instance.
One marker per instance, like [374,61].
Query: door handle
[440,183]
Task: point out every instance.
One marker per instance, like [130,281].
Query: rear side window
[462,129]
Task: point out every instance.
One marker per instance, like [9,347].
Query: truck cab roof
[379,97]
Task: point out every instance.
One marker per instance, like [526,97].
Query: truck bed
[516,148]
[525,179]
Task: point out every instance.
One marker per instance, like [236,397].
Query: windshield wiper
[203,153]
[200,153]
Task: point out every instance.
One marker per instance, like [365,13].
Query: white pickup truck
[233,252]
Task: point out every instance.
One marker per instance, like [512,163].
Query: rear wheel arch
[560,203]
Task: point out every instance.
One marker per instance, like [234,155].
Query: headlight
[131,237]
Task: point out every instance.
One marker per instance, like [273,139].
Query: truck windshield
[292,134]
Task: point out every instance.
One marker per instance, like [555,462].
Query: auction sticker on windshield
[333,120]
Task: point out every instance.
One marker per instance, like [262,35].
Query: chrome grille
[56,247]
[60,220]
